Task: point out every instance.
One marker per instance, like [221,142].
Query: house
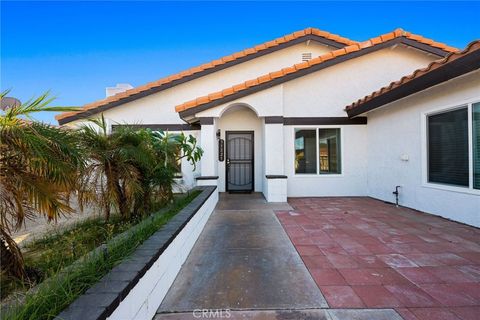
[278,118]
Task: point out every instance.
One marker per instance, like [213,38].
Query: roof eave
[307,37]
[451,70]
[188,113]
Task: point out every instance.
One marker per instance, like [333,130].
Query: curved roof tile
[206,66]
[315,61]
[473,46]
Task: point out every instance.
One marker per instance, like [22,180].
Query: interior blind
[448,147]
[476,145]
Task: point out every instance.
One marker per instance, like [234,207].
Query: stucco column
[275,186]
[208,142]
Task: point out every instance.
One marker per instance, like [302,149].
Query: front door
[239,161]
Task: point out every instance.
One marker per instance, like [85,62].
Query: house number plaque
[221,150]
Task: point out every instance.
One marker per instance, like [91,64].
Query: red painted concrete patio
[364,253]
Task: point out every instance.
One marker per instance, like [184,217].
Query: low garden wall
[136,287]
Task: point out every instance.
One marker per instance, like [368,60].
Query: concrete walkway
[243,260]
[244,266]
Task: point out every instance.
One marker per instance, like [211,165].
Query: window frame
[424,127]
[318,174]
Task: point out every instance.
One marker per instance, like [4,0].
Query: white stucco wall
[268,102]
[146,296]
[325,93]
[398,129]
[160,107]
[351,182]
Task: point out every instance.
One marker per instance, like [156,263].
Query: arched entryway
[242,169]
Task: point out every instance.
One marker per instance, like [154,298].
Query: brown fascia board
[456,68]
[187,114]
[312,37]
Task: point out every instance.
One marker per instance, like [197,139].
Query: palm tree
[130,169]
[161,154]
[38,172]
[112,172]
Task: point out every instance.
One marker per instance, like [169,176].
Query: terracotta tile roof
[471,48]
[315,61]
[210,65]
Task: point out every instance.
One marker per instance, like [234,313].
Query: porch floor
[364,253]
[366,259]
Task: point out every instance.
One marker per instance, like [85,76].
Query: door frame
[227,133]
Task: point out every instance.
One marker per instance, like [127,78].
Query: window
[476,144]
[329,150]
[317,151]
[305,151]
[453,147]
[448,147]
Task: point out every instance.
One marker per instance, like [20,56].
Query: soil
[39,226]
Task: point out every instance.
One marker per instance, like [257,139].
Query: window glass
[448,148]
[329,150]
[476,144]
[305,151]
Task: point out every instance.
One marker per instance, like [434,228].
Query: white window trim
[318,175]
[424,152]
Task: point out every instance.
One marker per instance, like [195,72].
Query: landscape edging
[101,300]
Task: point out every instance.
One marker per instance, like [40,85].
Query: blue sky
[76,49]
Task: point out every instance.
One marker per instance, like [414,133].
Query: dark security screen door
[239,161]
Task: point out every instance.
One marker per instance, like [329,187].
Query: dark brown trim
[317,121]
[207,178]
[448,71]
[206,121]
[197,75]
[274,119]
[424,47]
[273,176]
[322,40]
[292,76]
[158,126]
[317,67]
